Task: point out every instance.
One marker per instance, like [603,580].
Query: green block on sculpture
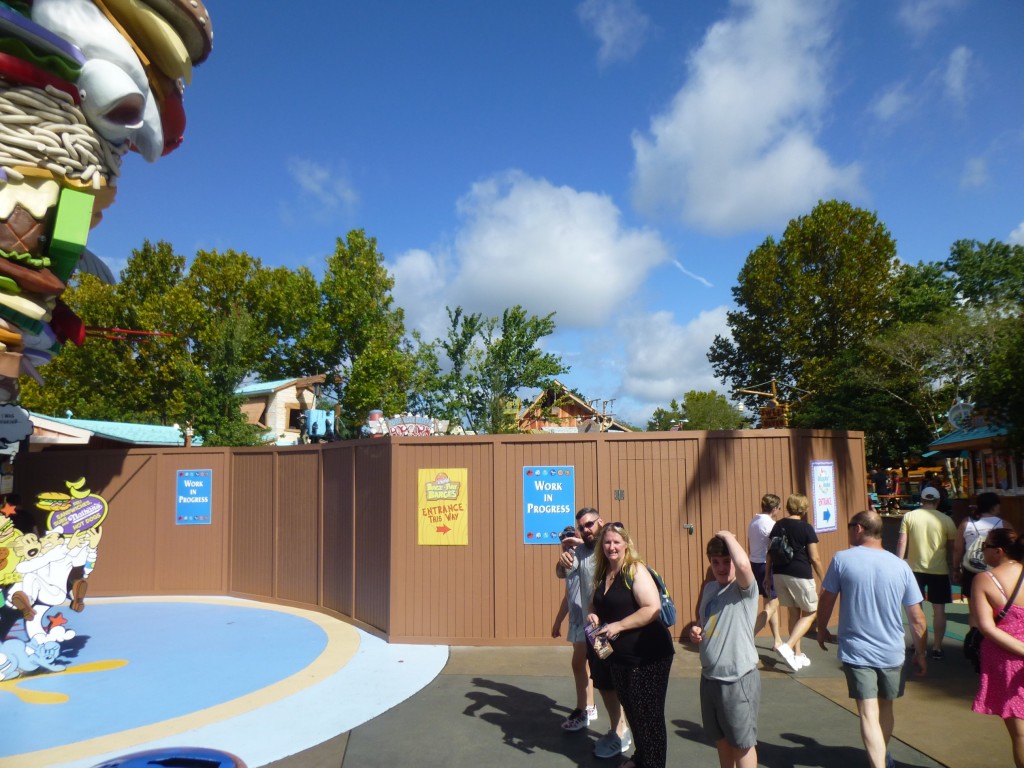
[70,231]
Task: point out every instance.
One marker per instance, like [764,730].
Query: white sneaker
[802,660]
[591,713]
[788,656]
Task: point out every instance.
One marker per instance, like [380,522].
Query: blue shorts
[759,571]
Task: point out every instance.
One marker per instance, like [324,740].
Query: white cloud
[736,149]
[329,188]
[975,173]
[525,241]
[420,287]
[955,77]
[893,104]
[619,26]
[1017,236]
[921,16]
[664,360]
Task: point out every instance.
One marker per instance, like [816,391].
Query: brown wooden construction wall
[334,526]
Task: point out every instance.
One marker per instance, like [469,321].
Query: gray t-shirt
[727,615]
[579,587]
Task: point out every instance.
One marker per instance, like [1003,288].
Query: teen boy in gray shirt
[730,686]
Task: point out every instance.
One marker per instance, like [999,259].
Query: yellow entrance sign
[442,508]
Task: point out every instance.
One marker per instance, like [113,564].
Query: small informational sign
[15,424]
[823,484]
[549,503]
[442,510]
[194,499]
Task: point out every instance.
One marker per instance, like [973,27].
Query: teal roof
[262,387]
[134,434]
[969,434]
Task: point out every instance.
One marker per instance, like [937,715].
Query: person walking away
[926,540]
[1001,686]
[876,587]
[794,581]
[730,685]
[974,528]
[757,543]
[579,558]
[626,611]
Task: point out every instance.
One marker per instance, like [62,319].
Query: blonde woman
[794,581]
[627,605]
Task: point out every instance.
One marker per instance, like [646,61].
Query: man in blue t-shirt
[876,587]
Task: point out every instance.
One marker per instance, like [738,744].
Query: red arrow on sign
[443,529]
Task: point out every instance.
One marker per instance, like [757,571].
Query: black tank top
[634,647]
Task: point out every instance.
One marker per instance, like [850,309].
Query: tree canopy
[698,411]
[486,363]
[886,347]
[224,319]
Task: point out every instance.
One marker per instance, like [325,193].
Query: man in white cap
[926,539]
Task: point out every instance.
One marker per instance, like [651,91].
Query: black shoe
[938,653]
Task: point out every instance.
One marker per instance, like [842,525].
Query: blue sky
[613,161]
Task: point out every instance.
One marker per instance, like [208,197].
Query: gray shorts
[576,634]
[729,710]
[874,682]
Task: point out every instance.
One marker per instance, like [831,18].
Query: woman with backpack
[792,563]
[968,560]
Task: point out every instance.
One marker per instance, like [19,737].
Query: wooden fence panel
[334,526]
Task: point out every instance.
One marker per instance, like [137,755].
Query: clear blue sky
[614,161]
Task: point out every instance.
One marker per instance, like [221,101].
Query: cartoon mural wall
[403,425]
[43,578]
[82,82]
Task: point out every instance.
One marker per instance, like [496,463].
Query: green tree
[215,320]
[357,334]
[698,411]
[825,286]
[487,362]
[663,419]
[988,274]
[710,411]
[999,394]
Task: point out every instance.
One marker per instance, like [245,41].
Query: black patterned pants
[642,691]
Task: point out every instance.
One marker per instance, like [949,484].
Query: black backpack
[781,549]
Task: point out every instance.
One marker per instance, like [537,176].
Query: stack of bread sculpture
[82,82]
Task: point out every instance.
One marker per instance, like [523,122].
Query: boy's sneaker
[576,721]
[802,660]
[591,713]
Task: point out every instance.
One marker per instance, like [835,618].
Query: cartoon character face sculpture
[82,82]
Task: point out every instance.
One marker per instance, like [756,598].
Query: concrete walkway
[294,689]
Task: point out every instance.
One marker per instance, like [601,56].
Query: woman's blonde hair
[629,560]
[797,504]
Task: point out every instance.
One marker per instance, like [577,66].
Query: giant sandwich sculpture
[82,82]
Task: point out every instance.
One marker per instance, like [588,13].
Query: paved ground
[357,702]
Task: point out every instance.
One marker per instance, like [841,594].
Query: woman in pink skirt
[1001,691]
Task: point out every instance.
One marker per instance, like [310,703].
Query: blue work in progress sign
[194,497]
[549,503]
